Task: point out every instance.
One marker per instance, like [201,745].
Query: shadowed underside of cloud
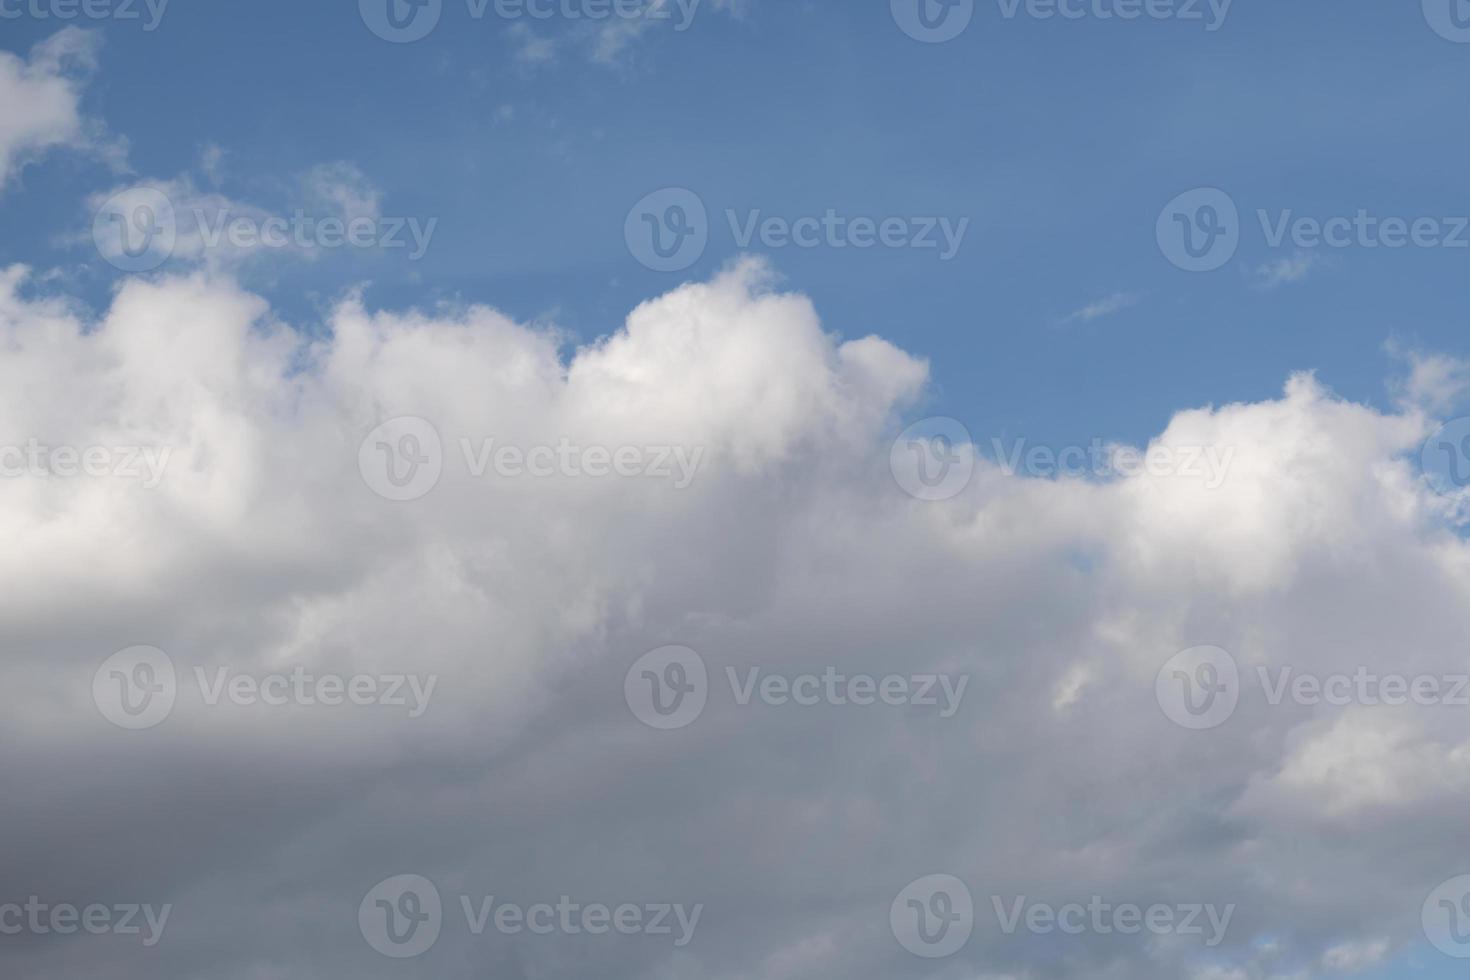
[1060,778]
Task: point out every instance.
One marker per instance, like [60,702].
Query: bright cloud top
[254,543]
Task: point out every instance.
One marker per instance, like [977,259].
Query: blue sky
[1060,141]
[1054,143]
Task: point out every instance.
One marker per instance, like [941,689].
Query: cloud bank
[264,549]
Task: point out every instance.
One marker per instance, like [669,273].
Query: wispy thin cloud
[1286,270]
[1106,306]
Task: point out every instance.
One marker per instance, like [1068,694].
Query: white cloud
[610,40]
[40,99]
[794,549]
[1355,956]
[202,218]
[1286,270]
[1436,383]
[1103,307]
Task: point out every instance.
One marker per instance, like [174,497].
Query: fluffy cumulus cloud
[263,541]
